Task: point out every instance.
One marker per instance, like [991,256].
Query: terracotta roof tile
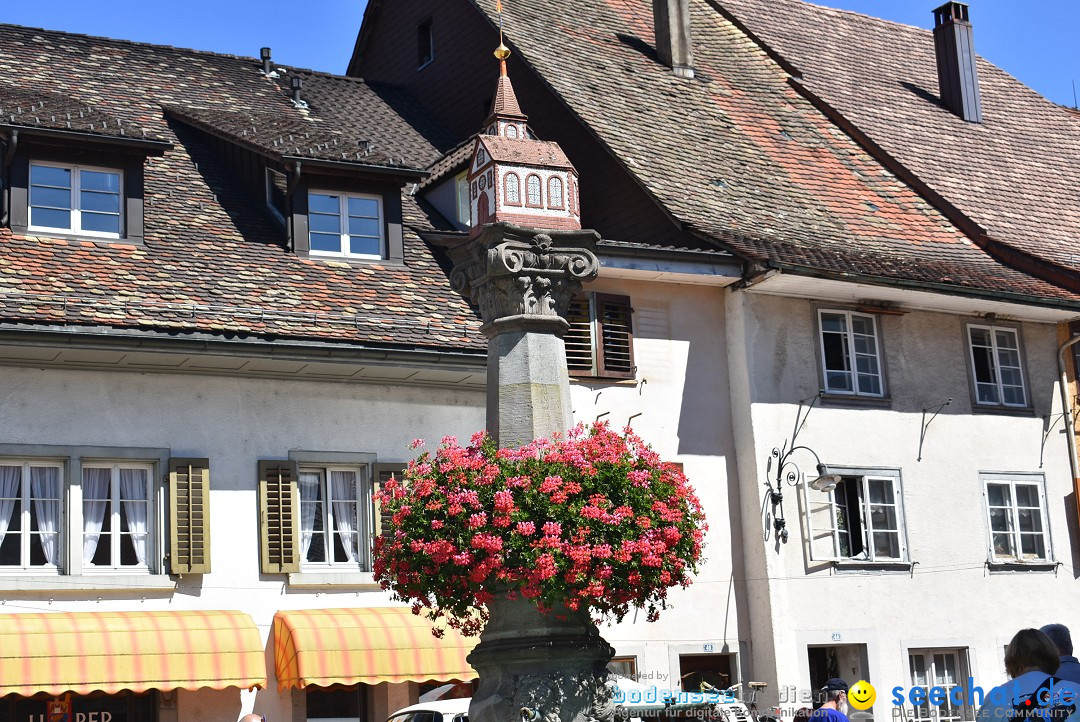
[213,260]
[738,154]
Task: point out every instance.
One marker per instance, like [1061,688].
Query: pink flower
[525,528]
[552,528]
[416,444]
[477,520]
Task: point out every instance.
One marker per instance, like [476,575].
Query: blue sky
[1038,41]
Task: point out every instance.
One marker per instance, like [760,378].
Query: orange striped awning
[112,651]
[374,644]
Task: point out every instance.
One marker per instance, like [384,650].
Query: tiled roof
[506,102]
[526,151]
[453,162]
[1016,174]
[213,261]
[33,108]
[740,155]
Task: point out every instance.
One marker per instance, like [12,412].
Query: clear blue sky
[1038,41]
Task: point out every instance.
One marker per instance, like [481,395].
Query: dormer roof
[530,152]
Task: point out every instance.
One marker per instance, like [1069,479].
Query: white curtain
[344,495]
[45,490]
[9,493]
[95,490]
[309,498]
[133,499]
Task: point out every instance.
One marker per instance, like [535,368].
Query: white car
[440,710]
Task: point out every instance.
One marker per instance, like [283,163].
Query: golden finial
[502,52]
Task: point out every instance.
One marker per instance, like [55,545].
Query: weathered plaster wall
[950,598]
[234,422]
[679,402]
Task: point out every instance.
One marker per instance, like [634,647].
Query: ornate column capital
[509,271]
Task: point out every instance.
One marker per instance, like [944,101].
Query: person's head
[252,718]
[836,693]
[1029,650]
[1059,635]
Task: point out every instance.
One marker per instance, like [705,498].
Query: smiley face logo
[861,696]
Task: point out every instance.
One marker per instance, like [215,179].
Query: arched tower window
[513,189]
[533,196]
[555,192]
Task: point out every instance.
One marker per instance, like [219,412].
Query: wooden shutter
[579,339]
[279,517]
[615,349]
[381,520]
[189,516]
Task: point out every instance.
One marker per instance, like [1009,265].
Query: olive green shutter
[383,472]
[189,516]
[279,517]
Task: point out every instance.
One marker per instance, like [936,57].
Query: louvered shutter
[279,518]
[615,350]
[189,516]
[381,521]
[579,339]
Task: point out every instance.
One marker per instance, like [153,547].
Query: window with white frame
[1016,517]
[335,517]
[851,353]
[341,224]
[862,519]
[464,204]
[996,366]
[118,516]
[31,496]
[78,199]
[944,668]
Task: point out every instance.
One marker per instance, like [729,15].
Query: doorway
[698,670]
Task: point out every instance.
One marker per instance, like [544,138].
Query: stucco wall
[679,403]
[950,598]
[234,422]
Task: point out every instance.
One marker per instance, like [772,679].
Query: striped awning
[375,644]
[112,651]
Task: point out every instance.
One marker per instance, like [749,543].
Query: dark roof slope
[739,155]
[1016,174]
[213,260]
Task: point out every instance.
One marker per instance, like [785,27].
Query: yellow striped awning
[112,651]
[374,644]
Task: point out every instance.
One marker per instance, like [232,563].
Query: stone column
[533,667]
[522,280]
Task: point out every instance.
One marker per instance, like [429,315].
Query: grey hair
[833,695]
[1059,635]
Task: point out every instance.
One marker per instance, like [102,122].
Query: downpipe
[1066,408]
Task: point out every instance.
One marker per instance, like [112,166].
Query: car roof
[443,706]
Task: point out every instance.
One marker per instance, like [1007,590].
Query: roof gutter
[415,174]
[155,146]
[1070,425]
[942,288]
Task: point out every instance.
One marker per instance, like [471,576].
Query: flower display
[591,520]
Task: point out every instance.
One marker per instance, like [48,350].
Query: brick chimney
[672,21]
[958,78]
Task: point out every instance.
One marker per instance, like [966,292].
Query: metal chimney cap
[951,11]
[264,53]
[296,82]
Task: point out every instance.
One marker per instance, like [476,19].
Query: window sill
[359,581]
[1005,567]
[76,583]
[351,261]
[608,380]
[1002,410]
[883,402]
[99,241]
[865,567]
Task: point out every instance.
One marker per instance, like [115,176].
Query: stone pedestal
[522,280]
[538,667]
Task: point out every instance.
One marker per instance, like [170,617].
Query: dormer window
[84,200]
[512,132]
[425,44]
[342,224]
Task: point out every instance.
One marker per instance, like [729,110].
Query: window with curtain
[30,508]
[333,520]
[117,518]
